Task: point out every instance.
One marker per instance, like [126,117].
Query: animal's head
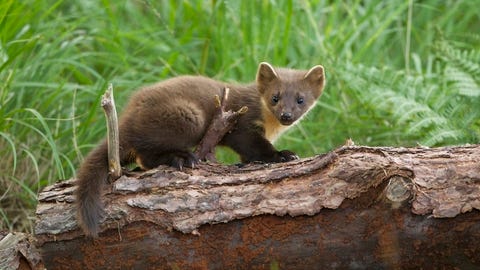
[289,93]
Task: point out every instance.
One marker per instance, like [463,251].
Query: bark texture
[17,251]
[394,208]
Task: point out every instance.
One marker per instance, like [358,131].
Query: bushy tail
[90,178]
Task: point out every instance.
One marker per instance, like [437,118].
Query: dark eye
[300,100]
[275,99]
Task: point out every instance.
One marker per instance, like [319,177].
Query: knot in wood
[399,189]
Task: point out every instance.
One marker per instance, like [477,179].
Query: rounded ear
[266,73]
[316,77]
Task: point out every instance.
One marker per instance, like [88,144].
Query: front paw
[286,155]
[184,159]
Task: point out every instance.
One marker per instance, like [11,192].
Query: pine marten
[163,122]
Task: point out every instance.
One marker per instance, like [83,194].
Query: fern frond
[467,60]
[443,136]
[462,81]
[433,108]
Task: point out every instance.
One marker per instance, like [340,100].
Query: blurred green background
[400,73]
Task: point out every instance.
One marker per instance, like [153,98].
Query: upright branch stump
[108,105]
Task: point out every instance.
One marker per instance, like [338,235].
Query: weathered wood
[17,251]
[394,208]
[108,105]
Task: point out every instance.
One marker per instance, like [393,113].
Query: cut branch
[108,105]
[394,208]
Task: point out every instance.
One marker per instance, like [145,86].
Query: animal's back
[169,115]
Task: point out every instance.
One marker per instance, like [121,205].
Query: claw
[184,159]
[180,164]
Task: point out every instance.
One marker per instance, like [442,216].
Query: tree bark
[354,207]
[17,251]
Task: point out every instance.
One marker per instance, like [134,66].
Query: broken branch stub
[108,105]
[222,122]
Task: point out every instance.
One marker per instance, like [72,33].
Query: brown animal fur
[163,122]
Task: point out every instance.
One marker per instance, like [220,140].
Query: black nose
[286,116]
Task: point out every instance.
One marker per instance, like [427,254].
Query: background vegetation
[400,73]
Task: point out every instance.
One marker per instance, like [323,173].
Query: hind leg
[164,132]
[177,159]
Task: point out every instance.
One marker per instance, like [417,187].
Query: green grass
[399,73]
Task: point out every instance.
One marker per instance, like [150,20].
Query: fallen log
[354,207]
